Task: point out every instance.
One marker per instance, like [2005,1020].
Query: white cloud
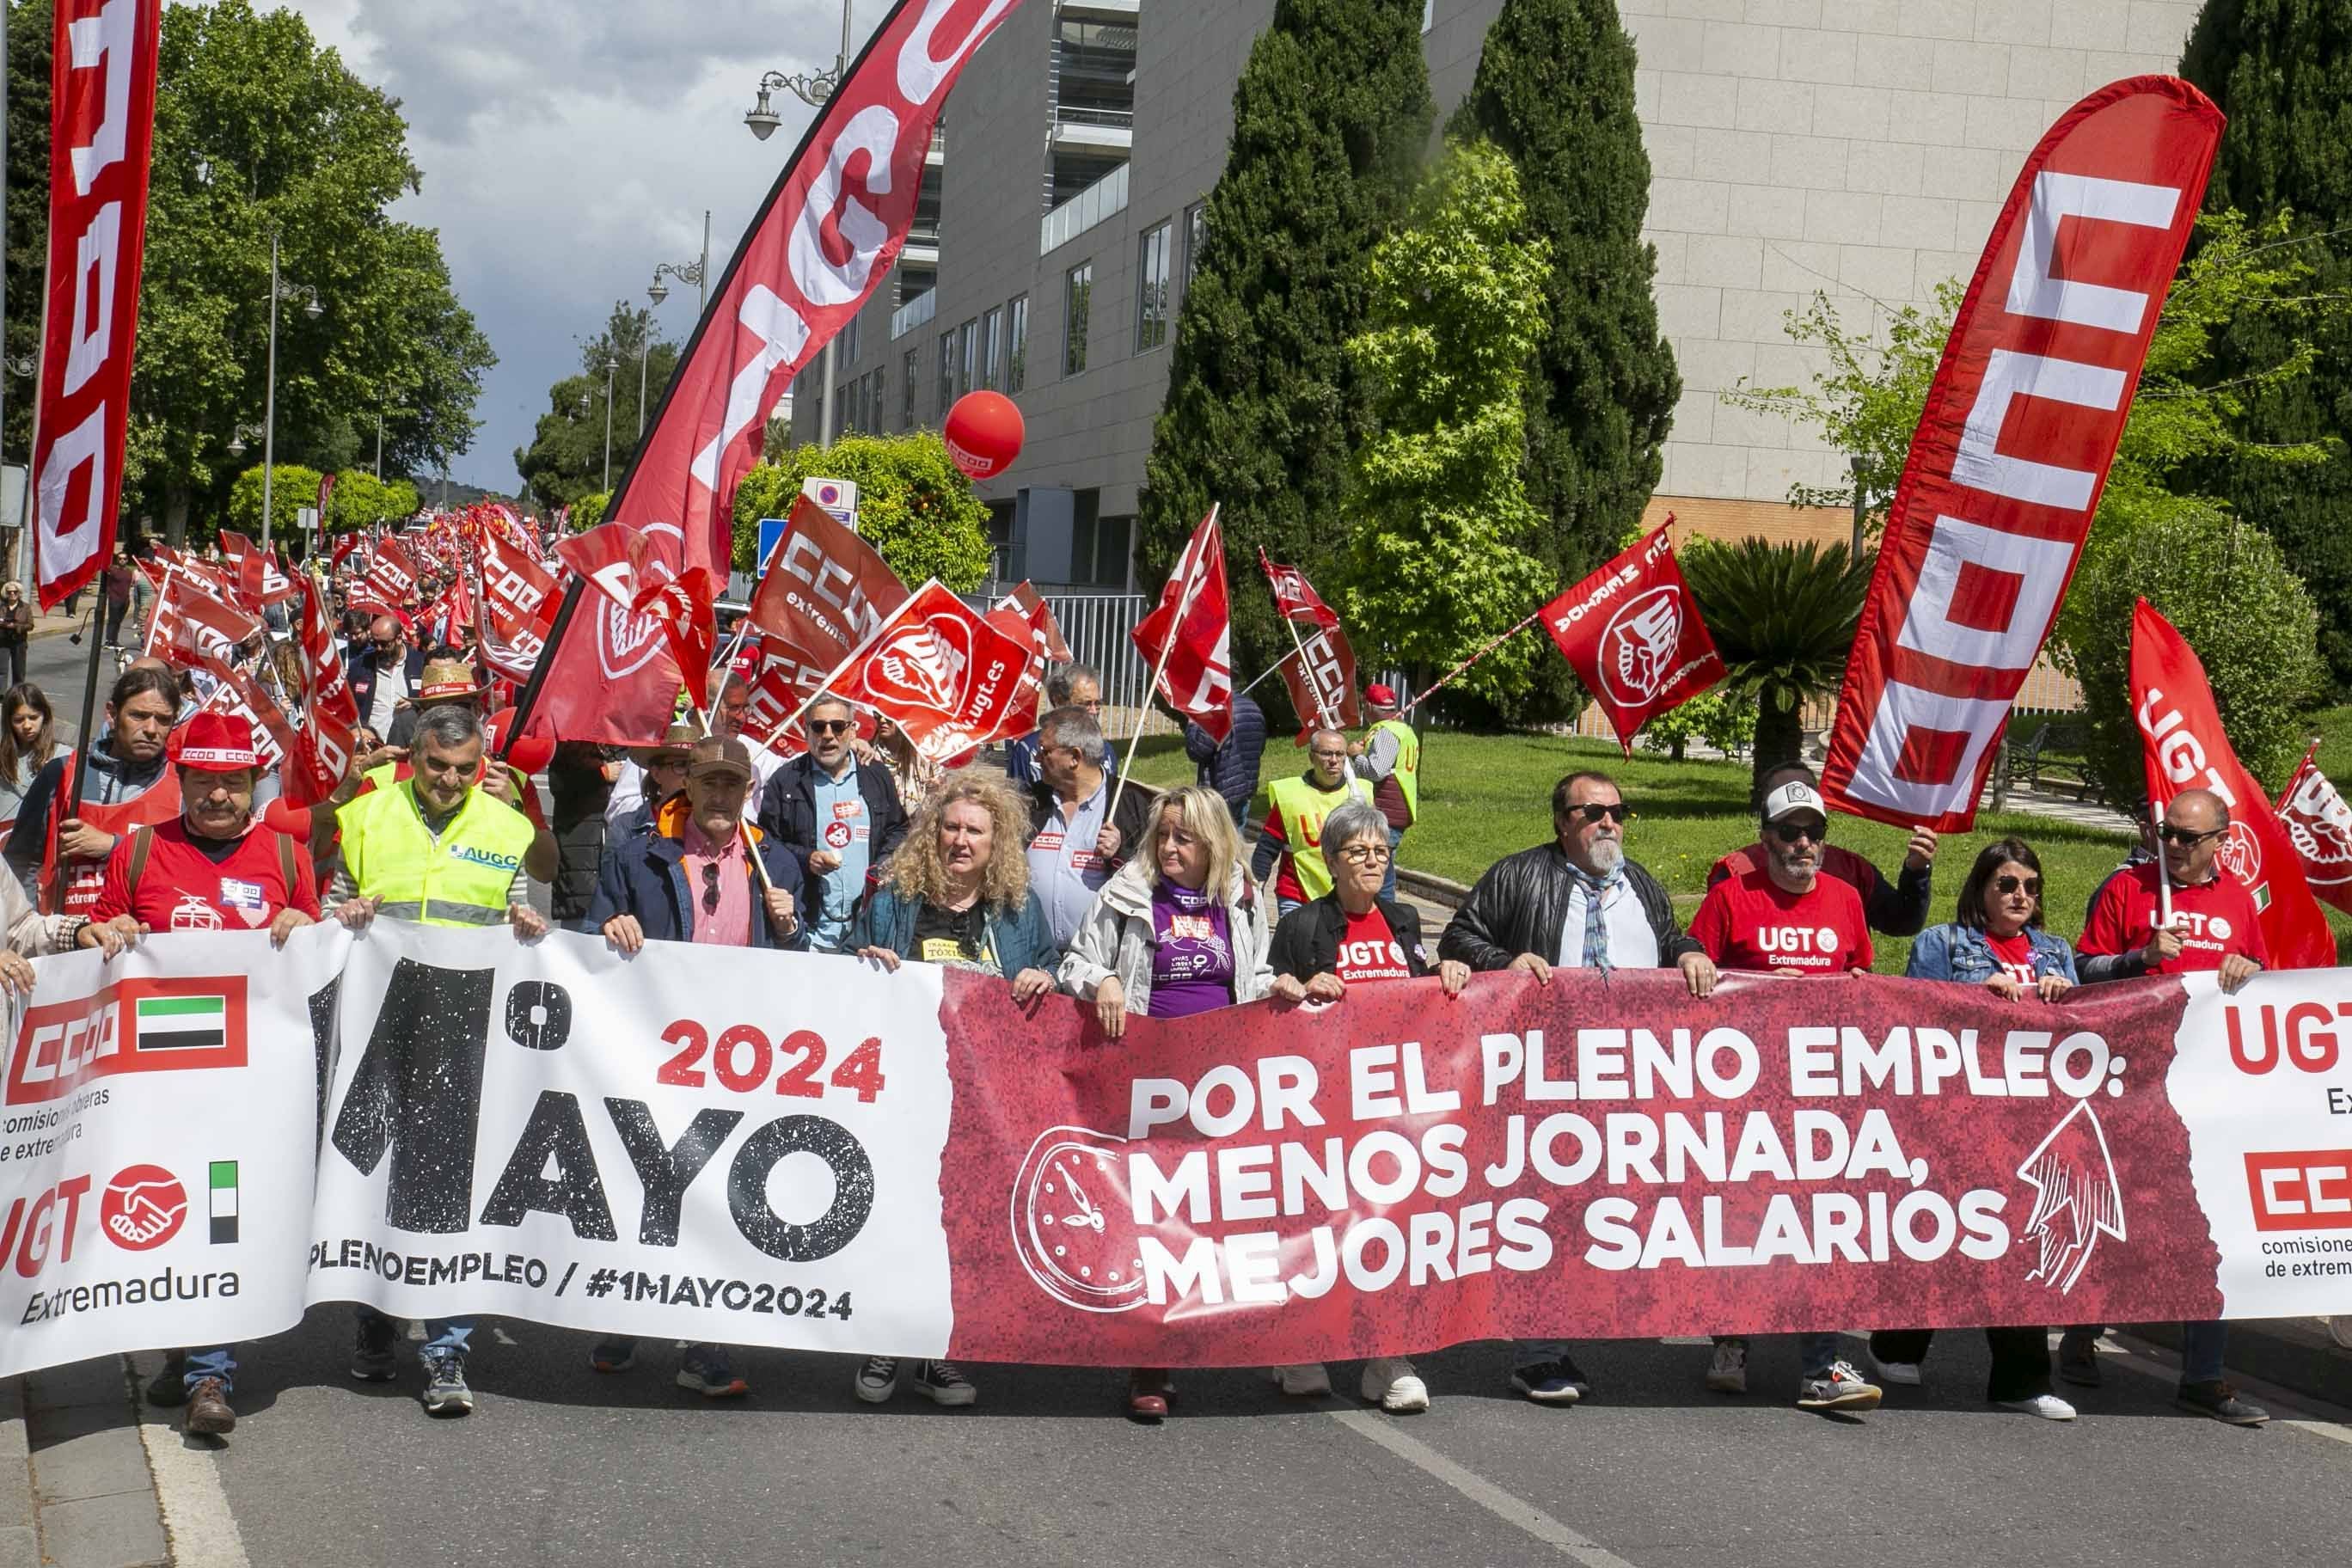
[568,146]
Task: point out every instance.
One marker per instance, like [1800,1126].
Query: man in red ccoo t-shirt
[2216,928]
[1787,918]
[212,869]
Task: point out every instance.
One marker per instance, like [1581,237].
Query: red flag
[518,592]
[325,489]
[101,130]
[2012,449]
[941,673]
[326,688]
[344,544]
[828,234]
[1634,637]
[1189,639]
[1047,631]
[2184,748]
[1295,597]
[775,696]
[189,625]
[393,576]
[2320,823]
[684,607]
[1321,680]
[824,594]
[612,679]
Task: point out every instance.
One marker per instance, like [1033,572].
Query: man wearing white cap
[1786,919]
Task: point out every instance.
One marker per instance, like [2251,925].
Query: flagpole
[1267,673]
[1322,708]
[1192,573]
[1454,674]
[743,626]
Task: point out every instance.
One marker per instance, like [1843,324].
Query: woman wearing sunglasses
[1995,940]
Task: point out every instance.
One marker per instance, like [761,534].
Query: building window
[1077,285]
[849,341]
[1428,14]
[1151,269]
[947,371]
[967,355]
[910,370]
[991,348]
[1016,345]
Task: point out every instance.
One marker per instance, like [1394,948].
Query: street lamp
[611,365]
[697,272]
[814,89]
[311,308]
[245,434]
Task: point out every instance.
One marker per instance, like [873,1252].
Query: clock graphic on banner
[1073,1225]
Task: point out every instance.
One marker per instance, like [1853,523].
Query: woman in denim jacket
[1995,940]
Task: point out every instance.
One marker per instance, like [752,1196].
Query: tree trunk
[1780,737]
[175,518]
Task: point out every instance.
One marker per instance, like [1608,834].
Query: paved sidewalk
[79,1493]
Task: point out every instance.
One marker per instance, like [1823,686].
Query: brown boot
[208,1412]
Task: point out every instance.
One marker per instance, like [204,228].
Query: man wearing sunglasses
[1893,909]
[2214,928]
[1574,903]
[841,816]
[1788,919]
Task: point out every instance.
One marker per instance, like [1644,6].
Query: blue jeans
[443,1336]
[1388,883]
[220,1362]
[1282,906]
[1815,1352]
[2202,1347]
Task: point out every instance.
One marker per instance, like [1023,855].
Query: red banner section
[101,130]
[2012,449]
[2320,825]
[827,235]
[1595,1158]
[1188,637]
[1634,637]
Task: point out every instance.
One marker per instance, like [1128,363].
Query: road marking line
[1383,1431]
[2288,1410]
[197,1516]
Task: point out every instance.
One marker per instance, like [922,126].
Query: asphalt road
[559,1464]
[57,667]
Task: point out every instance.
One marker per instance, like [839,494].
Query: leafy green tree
[1455,312]
[2226,585]
[257,129]
[914,505]
[589,510]
[1332,118]
[292,489]
[1725,722]
[1555,91]
[362,500]
[565,459]
[1782,616]
[2281,72]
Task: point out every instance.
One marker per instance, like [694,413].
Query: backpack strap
[285,863]
[143,844]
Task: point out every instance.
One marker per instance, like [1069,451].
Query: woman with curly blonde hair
[956,893]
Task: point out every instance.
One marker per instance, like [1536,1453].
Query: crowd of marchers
[1052,876]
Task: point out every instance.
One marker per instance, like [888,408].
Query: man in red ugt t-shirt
[2215,925]
[1785,917]
[214,867]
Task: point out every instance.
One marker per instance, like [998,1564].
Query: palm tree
[1783,617]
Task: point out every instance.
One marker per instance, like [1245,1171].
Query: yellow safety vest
[1300,808]
[462,879]
[1408,764]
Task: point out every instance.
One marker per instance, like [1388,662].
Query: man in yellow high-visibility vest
[1390,760]
[1292,833]
[436,849]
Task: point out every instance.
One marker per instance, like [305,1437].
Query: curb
[20,1542]
[1436,889]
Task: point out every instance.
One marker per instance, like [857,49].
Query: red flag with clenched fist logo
[942,674]
[1189,639]
[2184,748]
[2320,823]
[1633,634]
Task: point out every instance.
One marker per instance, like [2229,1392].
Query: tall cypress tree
[1555,90]
[1331,119]
[2281,72]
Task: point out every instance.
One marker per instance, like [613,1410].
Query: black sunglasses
[710,889]
[1791,832]
[2187,838]
[1620,813]
[831,726]
[2009,884]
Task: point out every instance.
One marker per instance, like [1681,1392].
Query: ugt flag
[2320,825]
[1633,634]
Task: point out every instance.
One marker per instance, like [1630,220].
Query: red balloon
[984,434]
[292,820]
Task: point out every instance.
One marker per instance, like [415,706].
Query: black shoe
[1557,1381]
[2219,1401]
[168,1389]
[208,1412]
[371,1357]
[2078,1362]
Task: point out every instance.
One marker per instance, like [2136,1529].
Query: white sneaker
[1906,1373]
[1391,1383]
[2049,1406]
[1727,1372]
[878,1380]
[1838,1388]
[1305,1381]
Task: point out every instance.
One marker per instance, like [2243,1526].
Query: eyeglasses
[2188,838]
[1620,813]
[1334,758]
[710,889]
[831,726]
[1795,832]
[2009,884]
[1365,854]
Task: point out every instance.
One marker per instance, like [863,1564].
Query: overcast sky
[568,146]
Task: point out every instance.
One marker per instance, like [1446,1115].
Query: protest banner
[780,1149]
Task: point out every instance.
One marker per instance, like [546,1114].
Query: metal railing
[1096,627]
[914,314]
[1107,197]
[1079,114]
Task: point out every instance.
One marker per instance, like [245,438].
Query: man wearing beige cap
[689,878]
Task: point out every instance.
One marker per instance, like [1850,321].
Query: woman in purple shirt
[1179,930]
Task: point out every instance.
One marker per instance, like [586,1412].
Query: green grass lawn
[1485,796]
